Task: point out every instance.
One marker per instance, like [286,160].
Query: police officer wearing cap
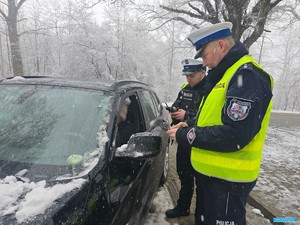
[232,123]
[185,109]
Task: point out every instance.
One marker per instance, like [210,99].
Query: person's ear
[221,44]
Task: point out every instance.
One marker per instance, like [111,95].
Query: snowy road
[278,185]
[285,119]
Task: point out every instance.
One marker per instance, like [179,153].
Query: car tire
[164,175]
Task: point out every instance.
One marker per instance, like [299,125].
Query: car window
[46,125]
[157,102]
[130,119]
[151,108]
[126,123]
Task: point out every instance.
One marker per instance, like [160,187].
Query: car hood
[24,202]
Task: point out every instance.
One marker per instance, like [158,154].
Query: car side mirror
[140,145]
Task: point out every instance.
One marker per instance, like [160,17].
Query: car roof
[89,83]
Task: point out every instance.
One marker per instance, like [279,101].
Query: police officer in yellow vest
[233,118]
[185,109]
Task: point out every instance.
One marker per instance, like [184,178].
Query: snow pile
[28,199]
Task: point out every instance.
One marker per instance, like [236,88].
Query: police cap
[199,38]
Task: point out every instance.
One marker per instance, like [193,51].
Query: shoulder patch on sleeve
[238,110]
[191,135]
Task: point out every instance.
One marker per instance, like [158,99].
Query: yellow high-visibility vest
[239,166]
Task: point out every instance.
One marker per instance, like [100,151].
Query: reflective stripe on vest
[184,85]
[239,166]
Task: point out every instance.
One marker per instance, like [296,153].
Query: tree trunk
[17,63]
[1,59]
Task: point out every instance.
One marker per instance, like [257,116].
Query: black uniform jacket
[189,99]
[249,86]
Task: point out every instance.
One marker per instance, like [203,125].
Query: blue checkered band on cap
[219,34]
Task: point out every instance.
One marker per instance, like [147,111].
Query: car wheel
[164,175]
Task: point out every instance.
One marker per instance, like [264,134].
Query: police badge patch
[191,135]
[238,110]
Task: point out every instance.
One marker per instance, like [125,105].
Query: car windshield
[49,125]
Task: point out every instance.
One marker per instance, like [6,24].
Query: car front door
[124,173]
[153,119]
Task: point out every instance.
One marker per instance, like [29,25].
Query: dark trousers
[221,202]
[186,176]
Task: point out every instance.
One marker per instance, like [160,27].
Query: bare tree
[287,86]
[11,18]
[243,15]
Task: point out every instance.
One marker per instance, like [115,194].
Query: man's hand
[172,131]
[178,115]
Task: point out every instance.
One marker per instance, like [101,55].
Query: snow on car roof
[91,83]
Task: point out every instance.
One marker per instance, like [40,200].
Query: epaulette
[246,66]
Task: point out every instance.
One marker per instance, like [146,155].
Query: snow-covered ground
[162,202]
[279,180]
